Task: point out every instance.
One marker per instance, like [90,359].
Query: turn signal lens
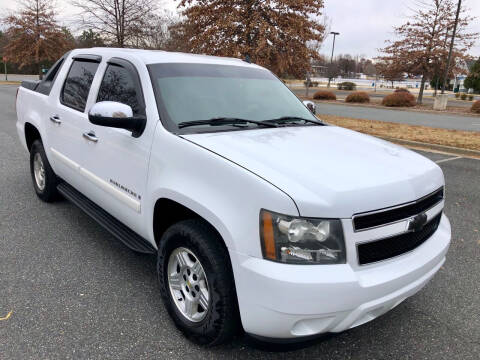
[267,236]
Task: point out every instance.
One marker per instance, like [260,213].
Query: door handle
[56,119]
[90,136]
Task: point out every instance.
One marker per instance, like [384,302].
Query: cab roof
[160,56]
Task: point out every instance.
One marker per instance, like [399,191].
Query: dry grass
[457,138]
[453,108]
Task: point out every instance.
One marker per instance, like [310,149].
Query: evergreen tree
[473,79]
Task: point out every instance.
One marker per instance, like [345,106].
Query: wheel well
[168,212]
[31,134]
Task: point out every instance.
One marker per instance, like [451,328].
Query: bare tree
[390,71]
[316,45]
[367,67]
[156,31]
[118,21]
[420,47]
[346,65]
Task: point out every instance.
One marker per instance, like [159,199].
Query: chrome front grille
[382,217]
[386,248]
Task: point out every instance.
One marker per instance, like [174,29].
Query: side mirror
[116,115]
[310,106]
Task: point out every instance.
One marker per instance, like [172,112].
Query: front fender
[226,195]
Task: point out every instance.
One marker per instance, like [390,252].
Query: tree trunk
[422,87]
[40,75]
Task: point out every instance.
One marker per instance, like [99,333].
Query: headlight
[297,240]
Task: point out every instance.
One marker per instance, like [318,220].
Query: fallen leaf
[6,317]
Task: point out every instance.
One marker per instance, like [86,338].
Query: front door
[116,162]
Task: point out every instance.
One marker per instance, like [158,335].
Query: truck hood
[327,170]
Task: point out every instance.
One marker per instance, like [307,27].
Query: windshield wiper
[224,121]
[286,119]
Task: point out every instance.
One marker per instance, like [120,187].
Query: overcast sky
[363,24]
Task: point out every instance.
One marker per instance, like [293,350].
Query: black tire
[221,323]
[49,192]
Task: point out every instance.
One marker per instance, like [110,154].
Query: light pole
[445,78]
[331,59]
[5,66]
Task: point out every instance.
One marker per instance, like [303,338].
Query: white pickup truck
[261,215]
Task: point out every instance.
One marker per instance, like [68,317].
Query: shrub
[476,107]
[347,85]
[470,97]
[457,95]
[402,90]
[358,97]
[324,95]
[463,96]
[399,99]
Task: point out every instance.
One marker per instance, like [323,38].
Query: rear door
[68,117]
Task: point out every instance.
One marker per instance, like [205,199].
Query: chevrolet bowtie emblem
[417,222]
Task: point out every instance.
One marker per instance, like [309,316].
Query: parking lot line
[449,159]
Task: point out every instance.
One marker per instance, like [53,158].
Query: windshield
[193,92]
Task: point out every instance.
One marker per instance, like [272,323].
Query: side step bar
[115,227]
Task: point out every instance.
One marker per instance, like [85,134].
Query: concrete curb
[436,147]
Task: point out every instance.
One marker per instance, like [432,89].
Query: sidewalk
[18,77]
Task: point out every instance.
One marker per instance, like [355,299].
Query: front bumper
[293,301]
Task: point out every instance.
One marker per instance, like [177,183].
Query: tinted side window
[118,85]
[77,85]
[52,73]
[46,84]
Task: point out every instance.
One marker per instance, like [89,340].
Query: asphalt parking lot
[69,290]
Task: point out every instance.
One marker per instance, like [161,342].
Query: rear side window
[77,85]
[46,84]
[118,85]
